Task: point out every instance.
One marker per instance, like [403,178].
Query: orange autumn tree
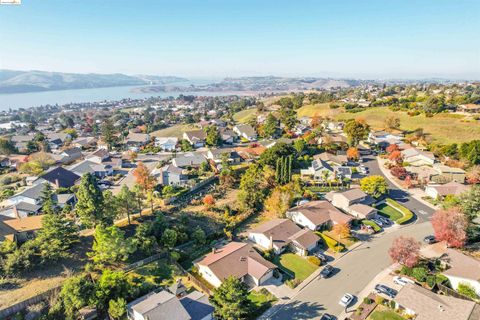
[145,181]
[208,201]
[353,154]
[342,230]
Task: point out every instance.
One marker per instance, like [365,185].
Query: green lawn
[372,224]
[385,315]
[295,265]
[389,212]
[156,273]
[174,131]
[262,300]
[245,115]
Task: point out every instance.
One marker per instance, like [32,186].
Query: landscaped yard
[385,315]
[262,300]
[347,242]
[389,212]
[297,266]
[156,273]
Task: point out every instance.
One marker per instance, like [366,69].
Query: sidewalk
[415,193]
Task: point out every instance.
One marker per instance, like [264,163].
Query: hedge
[407,214]
[331,243]
[372,224]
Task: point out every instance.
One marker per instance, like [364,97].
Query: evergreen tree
[270,126]
[230,300]
[89,207]
[125,200]
[110,245]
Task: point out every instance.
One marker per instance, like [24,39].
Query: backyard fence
[450,292]
[13,309]
[145,261]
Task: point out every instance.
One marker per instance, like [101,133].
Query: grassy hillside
[174,131]
[443,128]
[245,115]
[321,109]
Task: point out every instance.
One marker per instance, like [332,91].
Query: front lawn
[347,242]
[299,267]
[389,212]
[385,315]
[262,300]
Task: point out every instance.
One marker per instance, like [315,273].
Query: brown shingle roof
[321,211]
[462,266]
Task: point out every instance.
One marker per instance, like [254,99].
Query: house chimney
[57,183]
[214,250]
[271,242]
[15,211]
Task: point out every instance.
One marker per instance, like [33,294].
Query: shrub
[359,311]
[467,290]
[379,300]
[376,227]
[441,279]
[406,271]
[292,283]
[314,260]
[392,304]
[367,300]
[431,280]
[269,255]
[419,273]
[331,243]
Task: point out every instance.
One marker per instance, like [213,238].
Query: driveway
[354,271]
[397,194]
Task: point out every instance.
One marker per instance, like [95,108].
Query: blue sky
[213,38]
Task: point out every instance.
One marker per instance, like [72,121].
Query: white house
[245,131]
[463,269]
[417,157]
[439,191]
[315,215]
[347,198]
[196,138]
[166,143]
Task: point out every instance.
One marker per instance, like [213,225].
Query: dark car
[326,272]
[327,316]
[380,288]
[429,239]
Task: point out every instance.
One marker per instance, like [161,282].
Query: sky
[218,38]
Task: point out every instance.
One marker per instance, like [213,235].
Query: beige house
[315,215]
[236,259]
[440,191]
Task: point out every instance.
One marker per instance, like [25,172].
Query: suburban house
[236,259]
[19,229]
[166,143]
[384,138]
[245,131]
[189,159]
[439,191]
[228,136]
[68,156]
[332,159]
[25,203]
[170,175]
[217,154]
[251,152]
[316,215]
[57,139]
[333,126]
[84,142]
[102,156]
[59,178]
[336,138]
[343,172]
[196,138]
[345,199]
[100,170]
[280,234]
[136,140]
[417,157]
[423,304]
[21,142]
[445,174]
[362,211]
[319,170]
[164,305]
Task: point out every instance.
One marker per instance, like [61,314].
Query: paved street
[354,271]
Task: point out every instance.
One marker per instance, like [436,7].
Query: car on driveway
[384,220]
[430,239]
[326,272]
[323,258]
[402,280]
[381,288]
[379,222]
[346,300]
[327,316]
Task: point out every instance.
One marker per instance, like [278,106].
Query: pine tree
[89,207]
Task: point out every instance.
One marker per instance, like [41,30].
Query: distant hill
[12,81]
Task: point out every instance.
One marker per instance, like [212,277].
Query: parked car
[346,300]
[323,258]
[327,316]
[402,280]
[429,239]
[326,272]
[380,223]
[384,220]
[381,288]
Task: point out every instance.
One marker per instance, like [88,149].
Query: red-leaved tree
[395,156]
[405,250]
[399,172]
[451,226]
[391,148]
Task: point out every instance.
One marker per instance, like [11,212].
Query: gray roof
[25,206]
[188,159]
[160,306]
[65,178]
[246,129]
[197,305]
[34,192]
[170,168]
[88,166]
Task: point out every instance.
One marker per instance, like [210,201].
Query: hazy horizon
[217,39]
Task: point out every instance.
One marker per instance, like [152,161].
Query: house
[19,229]
[59,178]
[164,305]
[98,156]
[423,304]
[84,142]
[25,203]
[236,259]
[316,215]
[171,175]
[21,142]
[251,152]
[5,162]
[332,159]
[189,159]
[333,126]
[100,170]
[228,136]
[383,138]
[319,170]
[416,157]
[57,139]
[462,269]
[196,138]
[217,154]
[362,211]
[166,143]
[444,173]
[439,191]
[70,155]
[280,234]
[343,172]
[136,140]
[246,132]
[469,108]
[345,199]
[335,138]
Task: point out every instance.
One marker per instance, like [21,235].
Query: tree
[169,238]
[144,237]
[251,193]
[451,226]
[7,147]
[132,155]
[300,146]
[391,148]
[199,236]
[473,175]
[109,133]
[230,300]
[110,245]
[395,156]
[277,204]
[288,117]
[467,290]
[353,154]
[392,122]
[376,186]
[270,126]
[213,136]
[405,250]
[208,201]
[89,207]
[399,172]
[77,292]
[117,308]
[145,180]
[342,230]
[125,199]
[356,131]
[279,150]
[111,286]
[470,205]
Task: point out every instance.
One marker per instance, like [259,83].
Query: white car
[346,300]
[402,281]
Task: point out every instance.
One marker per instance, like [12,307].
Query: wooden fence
[13,309]
[450,292]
